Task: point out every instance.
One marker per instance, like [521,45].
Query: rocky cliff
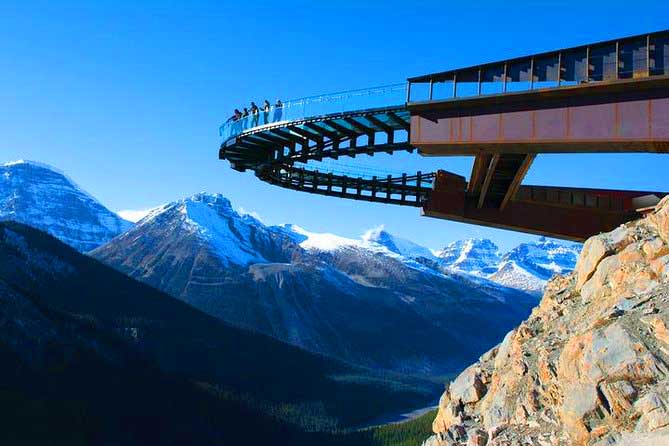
[590,364]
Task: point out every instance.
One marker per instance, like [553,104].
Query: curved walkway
[272,150]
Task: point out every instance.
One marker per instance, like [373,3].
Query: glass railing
[313,106]
[630,58]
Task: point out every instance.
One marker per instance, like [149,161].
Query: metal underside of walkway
[272,151]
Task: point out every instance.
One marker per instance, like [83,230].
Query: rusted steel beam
[620,116]
[517,179]
[568,213]
[488,179]
[479,169]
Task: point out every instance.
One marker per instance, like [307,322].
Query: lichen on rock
[589,367]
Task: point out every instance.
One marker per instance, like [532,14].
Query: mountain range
[526,267]
[379,301]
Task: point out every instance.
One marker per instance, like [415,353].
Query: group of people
[242,120]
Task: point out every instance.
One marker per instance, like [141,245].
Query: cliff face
[590,364]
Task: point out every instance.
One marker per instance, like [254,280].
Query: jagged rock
[618,396]
[448,416]
[590,365]
[659,437]
[477,437]
[659,327]
[468,387]
[653,410]
[597,248]
[660,219]
[431,441]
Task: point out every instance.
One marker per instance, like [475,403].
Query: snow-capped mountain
[526,267]
[378,301]
[376,241]
[474,256]
[42,197]
[530,265]
[396,245]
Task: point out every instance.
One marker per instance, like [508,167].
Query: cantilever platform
[272,151]
[606,97]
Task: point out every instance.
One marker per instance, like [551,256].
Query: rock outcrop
[589,366]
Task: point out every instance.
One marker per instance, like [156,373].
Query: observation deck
[609,96]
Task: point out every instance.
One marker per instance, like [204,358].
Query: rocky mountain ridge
[589,367]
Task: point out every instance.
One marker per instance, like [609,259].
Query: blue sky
[127,97]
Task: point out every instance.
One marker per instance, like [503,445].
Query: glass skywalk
[315,106]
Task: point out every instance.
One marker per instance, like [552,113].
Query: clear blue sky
[127,97]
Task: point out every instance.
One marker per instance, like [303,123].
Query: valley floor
[407,433]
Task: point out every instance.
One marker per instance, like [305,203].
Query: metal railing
[313,106]
[406,190]
[349,169]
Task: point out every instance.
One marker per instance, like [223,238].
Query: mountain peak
[193,208]
[380,237]
[317,241]
[44,197]
[475,255]
[31,163]
[529,265]
[214,199]
[208,221]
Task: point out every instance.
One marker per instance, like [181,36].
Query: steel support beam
[517,179]
[479,170]
[629,115]
[568,213]
[488,179]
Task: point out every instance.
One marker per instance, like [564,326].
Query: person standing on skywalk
[255,114]
[278,111]
[245,118]
[265,112]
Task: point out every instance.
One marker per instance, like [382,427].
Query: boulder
[660,219]
[468,386]
[597,248]
[477,437]
[652,409]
